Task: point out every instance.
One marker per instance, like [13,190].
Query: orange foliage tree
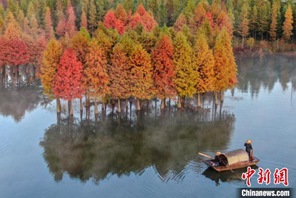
[204,61]
[225,66]
[119,74]
[163,72]
[96,78]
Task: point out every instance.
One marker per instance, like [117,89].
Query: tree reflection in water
[20,92]
[168,142]
[256,73]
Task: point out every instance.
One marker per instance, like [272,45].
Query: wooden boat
[232,160]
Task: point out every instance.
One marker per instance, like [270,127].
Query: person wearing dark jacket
[249,149]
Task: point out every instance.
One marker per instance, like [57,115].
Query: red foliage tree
[210,18]
[181,21]
[141,10]
[110,19]
[162,60]
[16,52]
[70,25]
[49,32]
[60,29]
[148,22]
[83,20]
[135,20]
[35,50]
[119,26]
[68,83]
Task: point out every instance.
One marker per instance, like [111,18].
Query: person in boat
[249,149]
[217,158]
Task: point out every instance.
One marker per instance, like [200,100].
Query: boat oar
[205,155]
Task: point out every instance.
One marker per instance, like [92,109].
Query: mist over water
[148,153]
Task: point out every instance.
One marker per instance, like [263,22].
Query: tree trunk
[96,108]
[118,106]
[81,105]
[103,106]
[71,108]
[138,104]
[179,102]
[58,119]
[162,104]
[222,96]
[198,100]
[216,98]
[58,105]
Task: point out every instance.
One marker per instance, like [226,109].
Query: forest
[101,50]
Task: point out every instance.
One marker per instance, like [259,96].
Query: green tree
[243,28]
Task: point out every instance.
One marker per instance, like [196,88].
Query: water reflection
[227,176]
[90,150]
[16,101]
[20,92]
[255,73]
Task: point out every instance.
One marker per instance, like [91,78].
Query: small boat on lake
[231,160]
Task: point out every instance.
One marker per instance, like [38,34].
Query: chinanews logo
[277,177]
[280,176]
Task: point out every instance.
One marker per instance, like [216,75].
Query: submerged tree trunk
[118,105]
[222,96]
[138,107]
[96,107]
[70,105]
[58,105]
[216,98]
[198,100]
[179,102]
[162,104]
[103,106]
[81,105]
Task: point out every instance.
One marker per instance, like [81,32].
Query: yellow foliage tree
[204,61]
[186,74]
[50,61]
[288,24]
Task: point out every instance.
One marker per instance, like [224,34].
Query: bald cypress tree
[225,68]
[204,61]
[186,75]
[288,24]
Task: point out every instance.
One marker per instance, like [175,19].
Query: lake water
[149,154]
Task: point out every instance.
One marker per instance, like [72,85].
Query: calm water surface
[149,153]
